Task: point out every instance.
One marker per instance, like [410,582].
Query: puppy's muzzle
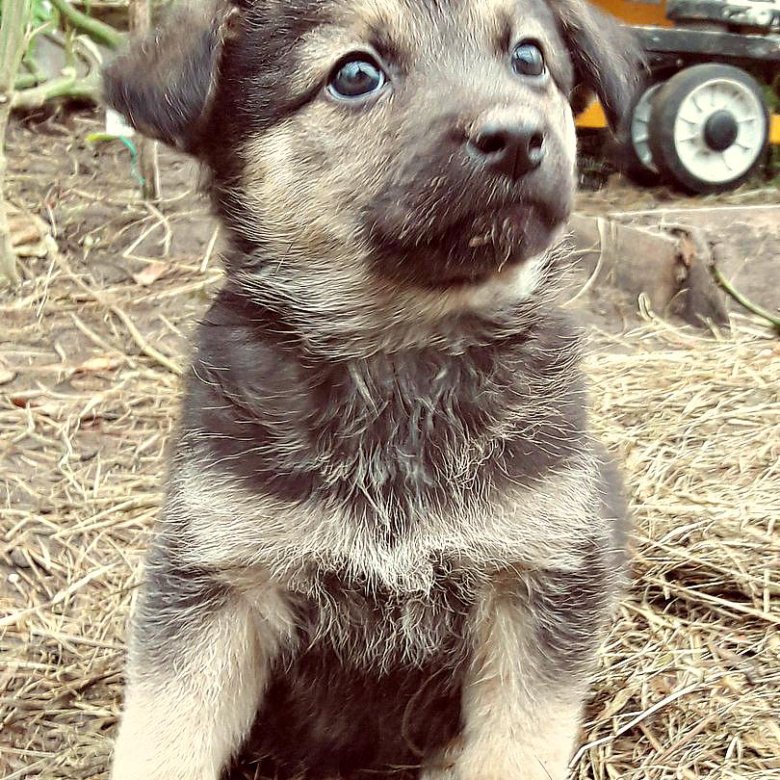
[507,148]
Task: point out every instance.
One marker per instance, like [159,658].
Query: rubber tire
[628,161]
[666,105]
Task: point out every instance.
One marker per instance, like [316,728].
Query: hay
[689,684]
[690,680]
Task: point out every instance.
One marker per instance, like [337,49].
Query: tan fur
[517,724]
[540,525]
[187,725]
[448,492]
[337,297]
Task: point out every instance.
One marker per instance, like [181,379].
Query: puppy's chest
[399,436]
[378,628]
[382,465]
[392,437]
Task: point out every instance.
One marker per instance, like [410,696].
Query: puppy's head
[412,147]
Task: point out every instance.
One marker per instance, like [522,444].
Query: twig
[59,597]
[204,264]
[601,223]
[639,718]
[691,594]
[142,344]
[743,300]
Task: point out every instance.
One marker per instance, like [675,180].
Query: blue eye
[356,77]
[527,59]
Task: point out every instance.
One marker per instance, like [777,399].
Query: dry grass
[690,680]
[689,685]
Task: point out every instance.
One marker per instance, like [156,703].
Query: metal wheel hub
[720,130]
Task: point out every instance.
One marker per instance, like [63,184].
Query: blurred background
[109,255]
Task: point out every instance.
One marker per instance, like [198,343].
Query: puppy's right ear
[163,84]
[607,58]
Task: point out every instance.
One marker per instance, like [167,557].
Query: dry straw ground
[689,683]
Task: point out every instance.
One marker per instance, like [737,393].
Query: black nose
[509,149]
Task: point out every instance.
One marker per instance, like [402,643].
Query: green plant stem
[95,29]
[66,86]
[29,65]
[13,36]
[140,18]
[773,319]
[25,81]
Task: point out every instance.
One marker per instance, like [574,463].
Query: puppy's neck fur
[348,312]
[395,434]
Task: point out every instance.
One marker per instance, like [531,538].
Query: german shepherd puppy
[389,545]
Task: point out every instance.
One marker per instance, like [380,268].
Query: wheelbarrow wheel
[709,127]
[635,157]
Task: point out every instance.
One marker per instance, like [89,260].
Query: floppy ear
[606,55]
[163,83]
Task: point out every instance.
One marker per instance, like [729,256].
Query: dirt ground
[91,347]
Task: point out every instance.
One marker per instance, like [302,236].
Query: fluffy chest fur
[391,435]
[384,468]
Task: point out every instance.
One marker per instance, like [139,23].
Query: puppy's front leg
[198,664]
[524,691]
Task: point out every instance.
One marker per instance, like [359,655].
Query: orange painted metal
[774,129]
[592,118]
[636,11]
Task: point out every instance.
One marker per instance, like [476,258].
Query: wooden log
[670,270]
[747,239]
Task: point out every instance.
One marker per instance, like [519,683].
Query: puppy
[389,545]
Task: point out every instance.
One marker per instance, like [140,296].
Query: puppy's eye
[356,77]
[527,59]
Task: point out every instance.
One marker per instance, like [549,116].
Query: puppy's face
[396,143]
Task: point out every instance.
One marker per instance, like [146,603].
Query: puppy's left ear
[607,58]
[163,84]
